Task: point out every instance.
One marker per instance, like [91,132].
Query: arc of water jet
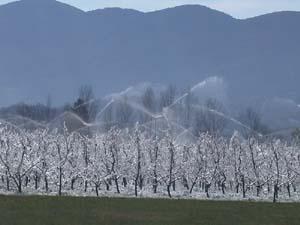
[80,119]
[202,83]
[154,131]
[11,124]
[178,100]
[104,108]
[119,94]
[184,129]
[144,110]
[97,99]
[91,125]
[23,125]
[73,114]
[113,97]
[164,114]
[88,102]
[279,131]
[226,117]
[30,121]
[208,109]
[182,133]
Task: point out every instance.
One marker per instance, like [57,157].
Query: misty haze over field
[50,48]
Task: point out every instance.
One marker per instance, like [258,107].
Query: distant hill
[47,47]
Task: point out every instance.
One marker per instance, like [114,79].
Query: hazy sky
[236,8]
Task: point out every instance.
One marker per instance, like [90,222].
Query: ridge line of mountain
[168,9]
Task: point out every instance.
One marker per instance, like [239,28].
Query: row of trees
[134,161]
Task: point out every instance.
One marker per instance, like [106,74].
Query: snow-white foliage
[134,162]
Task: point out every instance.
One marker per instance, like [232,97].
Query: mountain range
[50,48]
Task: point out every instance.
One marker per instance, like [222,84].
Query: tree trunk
[72,183]
[155,184]
[96,189]
[206,187]
[185,183]
[26,181]
[237,187]
[135,187]
[223,188]
[137,177]
[107,186]
[288,187]
[244,187]
[275,195]
[7,182]
[258,188]
[193,185]
[168,190]
[85,185]
[36,179]
[19,188]
[19,184]
[174,185]
[171,166]
[46,183]
[60,182]
[124,182]
[141,181]
[117,184]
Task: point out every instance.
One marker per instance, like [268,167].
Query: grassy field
[90,211]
